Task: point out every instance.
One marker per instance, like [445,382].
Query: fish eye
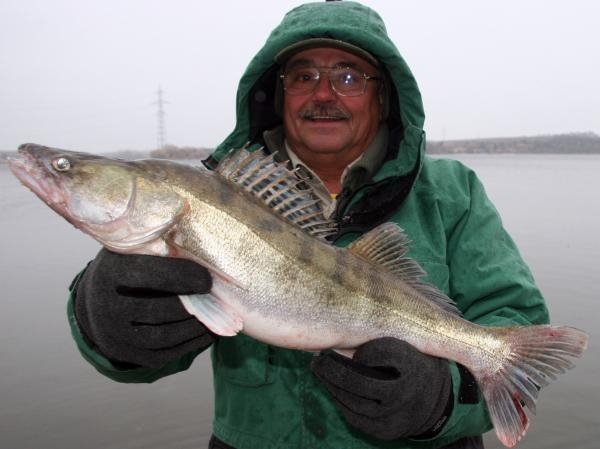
[61,164]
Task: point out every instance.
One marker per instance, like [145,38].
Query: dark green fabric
[268,397]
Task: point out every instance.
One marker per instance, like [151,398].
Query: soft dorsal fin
[278,187]
[386,246]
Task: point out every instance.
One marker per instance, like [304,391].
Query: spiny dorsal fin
[386,246]
[278,187]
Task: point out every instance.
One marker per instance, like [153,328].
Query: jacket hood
[346,21]
[375,200]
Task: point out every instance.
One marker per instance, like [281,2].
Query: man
[330,93]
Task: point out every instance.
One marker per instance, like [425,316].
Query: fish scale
[262,235]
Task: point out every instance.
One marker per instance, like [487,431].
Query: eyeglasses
[344,81]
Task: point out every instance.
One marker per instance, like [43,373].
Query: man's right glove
[127,307]
[389,389]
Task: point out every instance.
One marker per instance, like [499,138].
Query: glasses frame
[320,70]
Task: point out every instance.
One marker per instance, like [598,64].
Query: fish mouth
[33,174]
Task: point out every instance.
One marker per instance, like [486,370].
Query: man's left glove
[389,389]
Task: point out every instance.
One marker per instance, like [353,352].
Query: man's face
[324,122]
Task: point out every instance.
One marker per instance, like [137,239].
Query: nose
[324,90]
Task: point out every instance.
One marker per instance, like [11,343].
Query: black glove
[389,389]
[127,308]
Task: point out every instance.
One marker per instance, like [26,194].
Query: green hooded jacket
[267,397]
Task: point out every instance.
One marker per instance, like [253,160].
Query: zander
[263,235]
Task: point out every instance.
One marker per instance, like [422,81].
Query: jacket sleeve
[105,367]
[491,284]
[489,280]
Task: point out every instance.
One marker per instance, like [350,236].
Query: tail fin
[538,354]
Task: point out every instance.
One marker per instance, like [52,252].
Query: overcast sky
[83,75]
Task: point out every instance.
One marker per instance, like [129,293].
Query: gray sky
[83,75]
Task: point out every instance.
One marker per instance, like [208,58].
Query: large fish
[276,278]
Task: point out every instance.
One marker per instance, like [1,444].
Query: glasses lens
[347,81]
[301,80]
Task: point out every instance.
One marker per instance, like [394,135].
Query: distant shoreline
[573,143]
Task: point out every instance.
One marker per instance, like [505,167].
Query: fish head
[120,203]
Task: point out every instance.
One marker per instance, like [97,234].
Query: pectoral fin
[214,313]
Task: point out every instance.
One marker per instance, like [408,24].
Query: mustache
[323,112]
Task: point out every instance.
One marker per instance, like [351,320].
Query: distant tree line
[175,152]
[575,143]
